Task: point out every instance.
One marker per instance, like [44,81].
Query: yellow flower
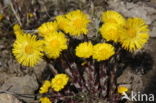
[122,89]
[47,28]
[134,35]
[45,87]
[45,100]
[110,32]
[55,43]
[103,51]
[59,82]
[77,22]
[17,30]
[1,16]
[30,15]
[84,50]
[62,23]
[111,16]
[27,50]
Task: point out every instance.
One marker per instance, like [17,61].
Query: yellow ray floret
[84,50]
[27,50]
[122,89]
[77,22]
[17,30]
[47,28]
[45,87]
[59,82]
[45,100]
[109,31]
[111,16]
[103,51]
[134,35]
[62,23]
[55,43]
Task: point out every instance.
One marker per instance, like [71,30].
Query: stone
[153,32]
[131,80]
[7,98]
[4,76]
[39,69]
[21,85]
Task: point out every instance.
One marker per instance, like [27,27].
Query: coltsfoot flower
[59,82]
[62,23]
[27,50]
[134,35]
[77,22]
[103,51]
[111,16]
[46,28]
[45,87]
[45,100]
[110,31]
[17,30]
[122,89]
[84,50]
[55,43]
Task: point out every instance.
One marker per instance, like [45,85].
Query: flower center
[78,23]
[113,31]
[54,43]
[29,49]
[101,51]
[131,33]
[59,81]
[112,21]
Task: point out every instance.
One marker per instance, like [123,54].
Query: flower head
[110,32]
[77,22]
[62,23]
[45,87]
[27,50]
[47,28]
[45,100]
[103,51]
[55,43]
[122,89]
[17,30]
[84,50]
[111,16]
[59,82]
[134,35]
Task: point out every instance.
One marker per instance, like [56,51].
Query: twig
[15,13]
[53,70]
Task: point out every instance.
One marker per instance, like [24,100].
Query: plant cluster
[81,67]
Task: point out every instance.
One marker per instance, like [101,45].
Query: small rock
[7,98]
[131,79]
[6,2]
[4,76]
[153,32]
[21,85]
[39,69]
